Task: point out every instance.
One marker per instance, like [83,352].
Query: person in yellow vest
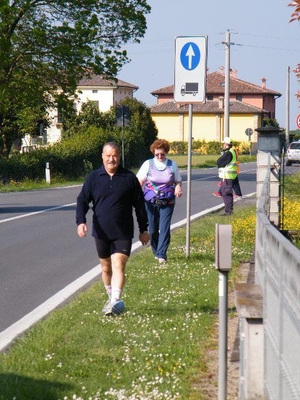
[236,184]
[227,165]
[237,195]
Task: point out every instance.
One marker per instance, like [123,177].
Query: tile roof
[98,80]
[210,107]
[215,85]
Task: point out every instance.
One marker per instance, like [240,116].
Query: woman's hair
[160,144]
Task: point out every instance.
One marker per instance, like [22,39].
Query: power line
[266,47]
[260,47]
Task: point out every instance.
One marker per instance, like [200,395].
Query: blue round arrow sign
[190,56]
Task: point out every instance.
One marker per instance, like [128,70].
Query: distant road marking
[36,212]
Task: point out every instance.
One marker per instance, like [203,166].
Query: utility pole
[227,84]
[287,116]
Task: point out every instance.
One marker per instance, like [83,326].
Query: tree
[140,134]
[89,115]
[46,46]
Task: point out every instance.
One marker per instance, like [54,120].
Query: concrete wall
[208,127]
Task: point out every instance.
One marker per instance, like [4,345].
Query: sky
[263,45]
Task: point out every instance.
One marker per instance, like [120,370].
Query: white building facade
[103,92]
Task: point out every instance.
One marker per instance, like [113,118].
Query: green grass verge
[156,350]
[206,161]
[198,161]
[36,185]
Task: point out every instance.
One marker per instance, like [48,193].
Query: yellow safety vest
[230,171]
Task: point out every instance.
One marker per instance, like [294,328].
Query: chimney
[263,83]
[233,73]
[221,103]
[222,70]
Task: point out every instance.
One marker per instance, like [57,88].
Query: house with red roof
[249,104]
[94,88]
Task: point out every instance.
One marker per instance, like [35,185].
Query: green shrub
[203,147]
[178,147]
[198,147]
[72,158]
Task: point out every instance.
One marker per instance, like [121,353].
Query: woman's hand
[144,238]
[178,190]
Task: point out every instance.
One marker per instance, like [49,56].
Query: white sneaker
[162,260]
[118,307]
[115,308]
[107,307]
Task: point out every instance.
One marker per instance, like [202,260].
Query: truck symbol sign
[189,88]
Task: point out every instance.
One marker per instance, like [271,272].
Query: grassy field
[156,350]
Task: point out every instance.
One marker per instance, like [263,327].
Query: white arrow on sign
[190,54]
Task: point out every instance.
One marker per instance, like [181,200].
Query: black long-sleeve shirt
[113,199]
[225,159]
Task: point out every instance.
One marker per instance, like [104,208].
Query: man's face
[111,159]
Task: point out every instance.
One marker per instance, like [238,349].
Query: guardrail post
[47,173]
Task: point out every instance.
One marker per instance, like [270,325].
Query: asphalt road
[41,253]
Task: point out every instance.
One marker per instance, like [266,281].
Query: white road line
[9,334]
[36,212]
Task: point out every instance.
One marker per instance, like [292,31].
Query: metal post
[287,123]
[227,85]
[188,194]
[123,151]
[223,264]
[223,333]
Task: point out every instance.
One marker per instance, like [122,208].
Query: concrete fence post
[268,159]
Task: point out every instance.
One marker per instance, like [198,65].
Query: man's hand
[82,230]
[144,237]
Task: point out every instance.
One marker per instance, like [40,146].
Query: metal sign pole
[123,149]
[188,194]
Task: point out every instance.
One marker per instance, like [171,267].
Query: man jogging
[113,191]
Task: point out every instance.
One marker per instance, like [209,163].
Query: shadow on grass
[24,388]
[169,311]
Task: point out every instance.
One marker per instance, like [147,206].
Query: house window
[239,97]
[210,97]
[59,116]
[94,91]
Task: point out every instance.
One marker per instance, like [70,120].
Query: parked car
[293,153]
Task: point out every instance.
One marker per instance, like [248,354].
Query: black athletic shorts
[105,248]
